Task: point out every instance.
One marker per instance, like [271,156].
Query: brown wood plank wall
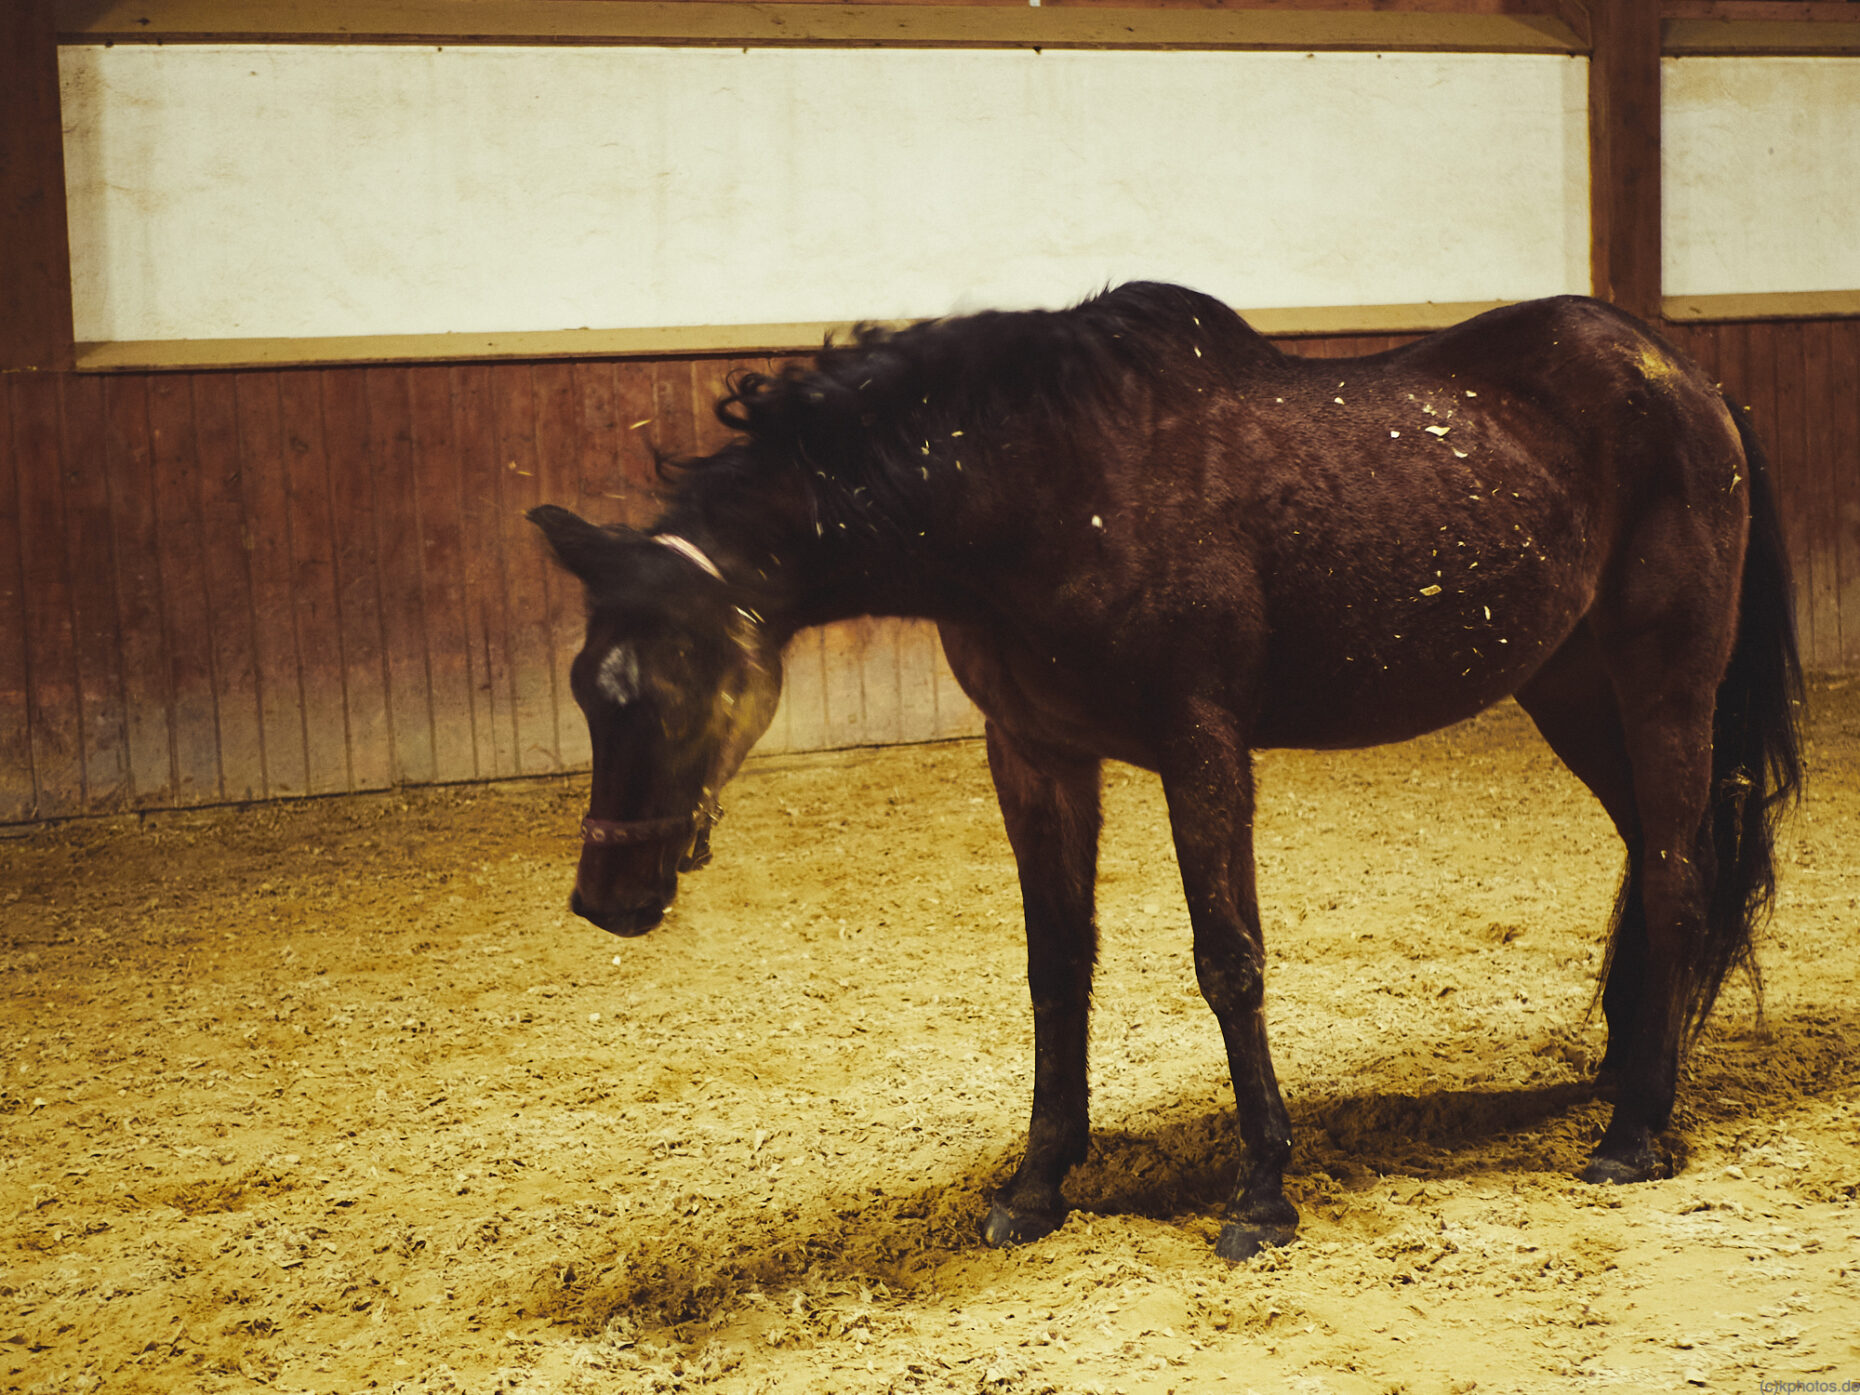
[1801,381]
[220,586]
[240,585]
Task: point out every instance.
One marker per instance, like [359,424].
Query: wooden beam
[1766,305]
[35,276]
[669,342]
[1575,16]
[1822,36]
[1485,26]
[1624,154]
[1700,27]
[1765,11]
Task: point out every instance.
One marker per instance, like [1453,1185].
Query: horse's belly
[1397,672]
[1342,714]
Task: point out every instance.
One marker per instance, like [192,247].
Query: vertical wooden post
[1624,153]
[35,277]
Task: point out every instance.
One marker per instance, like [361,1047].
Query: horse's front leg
[1051,806]
[1209,784]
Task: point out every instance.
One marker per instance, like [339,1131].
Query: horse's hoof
[1241,1240]
[1007,1226]
[1644,1165]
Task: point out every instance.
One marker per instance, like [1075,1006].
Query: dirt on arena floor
[336,1096]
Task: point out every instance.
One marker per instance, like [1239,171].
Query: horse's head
[677,681]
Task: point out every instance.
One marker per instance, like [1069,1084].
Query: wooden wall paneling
[461,751]
[804,693]
[264,480]
[1809,409]
[673,430]
[632,495]
[955,714]
[1743,357]
[350,451]
[1759,346]
[141,615]
[532,647]
[1748,378]
[843,650]
[1784,349]
[707,385]
[17,794]
[486,613]
[561,424]
[193,693]
[229,573]
[881,678]
[51,662]
[592,482]
[775,737]
[1699,342]
[402,577]
[1316,347]
[919,656]
[1731,343]
[315,584]
[226,550]
[88,550]
[1844,429]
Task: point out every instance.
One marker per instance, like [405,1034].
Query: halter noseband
[618,833]
[689,550]
[613,833]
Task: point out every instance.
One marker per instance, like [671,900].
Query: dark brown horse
[1149,536]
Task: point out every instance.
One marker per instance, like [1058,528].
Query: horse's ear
[586,550]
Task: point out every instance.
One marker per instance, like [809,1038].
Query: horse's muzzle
[626,921]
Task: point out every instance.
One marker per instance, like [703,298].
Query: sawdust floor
[337,1096]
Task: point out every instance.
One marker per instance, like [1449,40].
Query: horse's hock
[332,1093]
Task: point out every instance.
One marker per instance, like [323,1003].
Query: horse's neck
[797,560]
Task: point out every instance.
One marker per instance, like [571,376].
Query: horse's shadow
[1187,1166]
[1173,1161]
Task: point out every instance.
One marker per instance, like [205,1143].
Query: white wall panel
[307,191]
[1762,175]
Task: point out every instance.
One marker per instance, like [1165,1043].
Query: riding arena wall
[261,535]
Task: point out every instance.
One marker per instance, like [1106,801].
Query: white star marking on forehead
[618,676]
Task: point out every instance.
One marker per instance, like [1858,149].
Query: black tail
[1756,745]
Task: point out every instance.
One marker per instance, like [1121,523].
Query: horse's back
[1450,512]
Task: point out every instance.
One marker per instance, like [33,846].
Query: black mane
[873,420]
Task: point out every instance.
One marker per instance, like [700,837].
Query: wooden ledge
[1707,38]
[1750,27]
[1767,305]
[1482,26]
[135,354]
[687,341]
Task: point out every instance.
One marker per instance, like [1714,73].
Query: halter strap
[618,832]
[688,550]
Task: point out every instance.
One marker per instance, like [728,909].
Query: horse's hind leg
[1665,673]
[1050,803]
[1573,704]
[1209,785]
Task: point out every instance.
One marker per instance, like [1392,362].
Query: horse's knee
[1232,979]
